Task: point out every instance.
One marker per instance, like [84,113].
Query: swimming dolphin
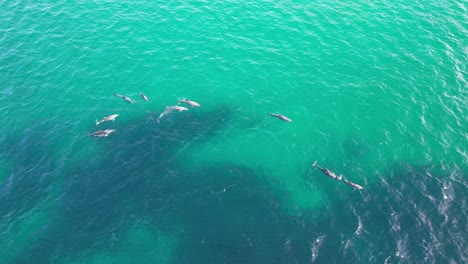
[169,109]
[282,117]
[354,185]
[107,118]
[144,97]
[126,98]
[178,108]
[327,172]
[189,102]
[102,133]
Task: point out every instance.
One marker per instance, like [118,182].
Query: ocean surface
[376,90]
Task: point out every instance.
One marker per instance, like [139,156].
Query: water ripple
[366,83]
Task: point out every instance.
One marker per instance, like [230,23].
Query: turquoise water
[377,91]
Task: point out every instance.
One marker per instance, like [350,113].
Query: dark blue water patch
[227,213]
[95,197]
[33,167]
[231,215]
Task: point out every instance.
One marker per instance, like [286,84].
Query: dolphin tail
[89,134]
[269,114]
[315,164]
[340,177]
[97,122]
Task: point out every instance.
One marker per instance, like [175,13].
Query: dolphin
[327,172]
[126,98]
[178,108]
[282,117]
[107,118]
[189,102]
[354,185]
[144,97]
[169,109]
[102,133]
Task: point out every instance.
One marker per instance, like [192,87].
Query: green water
[376,91]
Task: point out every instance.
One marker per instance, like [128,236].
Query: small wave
[316,246]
